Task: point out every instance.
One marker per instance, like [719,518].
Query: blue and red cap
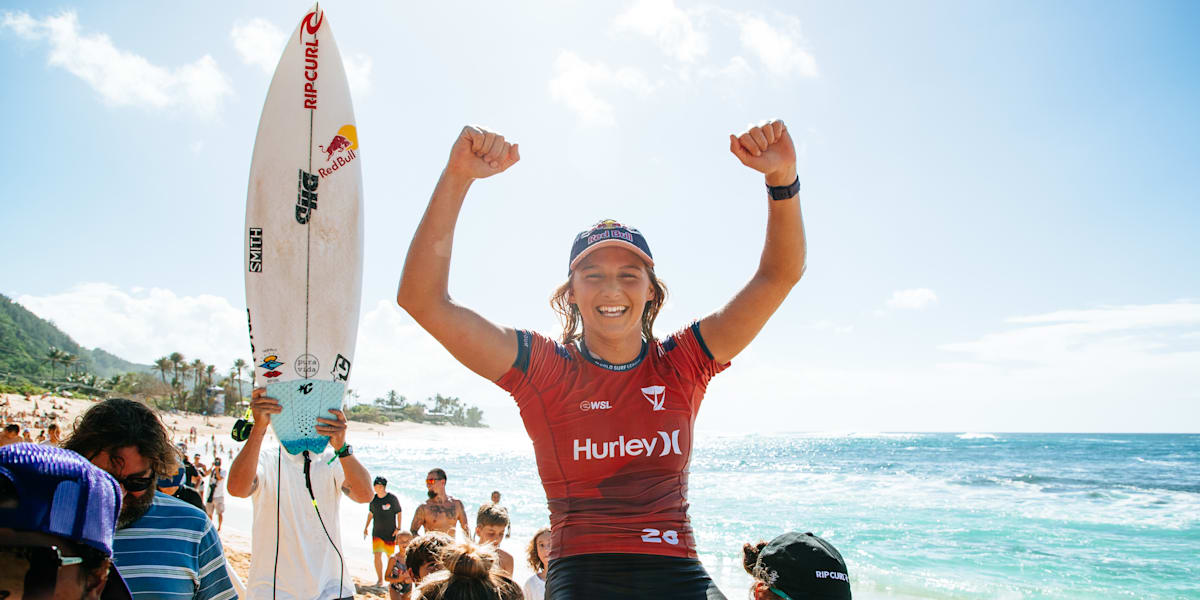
[609,233]
[60,493]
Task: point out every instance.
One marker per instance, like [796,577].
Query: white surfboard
[304,235]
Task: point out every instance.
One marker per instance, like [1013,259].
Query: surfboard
[304,236]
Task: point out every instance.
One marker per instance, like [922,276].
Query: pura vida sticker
[306,365]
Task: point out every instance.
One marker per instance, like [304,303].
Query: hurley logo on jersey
[619,448]
[656,395]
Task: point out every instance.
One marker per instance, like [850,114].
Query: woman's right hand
[479,153]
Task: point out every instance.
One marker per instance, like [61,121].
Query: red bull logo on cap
[343,144]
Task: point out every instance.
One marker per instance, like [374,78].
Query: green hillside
[26,340]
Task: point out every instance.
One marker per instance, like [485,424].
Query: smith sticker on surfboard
[304,236]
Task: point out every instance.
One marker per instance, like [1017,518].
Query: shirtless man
[440,512]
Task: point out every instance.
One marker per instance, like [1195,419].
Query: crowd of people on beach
[89,506]
[21,425]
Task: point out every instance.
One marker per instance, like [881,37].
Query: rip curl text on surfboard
[312,22]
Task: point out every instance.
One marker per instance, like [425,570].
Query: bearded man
[163,547]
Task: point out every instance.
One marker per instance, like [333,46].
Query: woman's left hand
[768,149]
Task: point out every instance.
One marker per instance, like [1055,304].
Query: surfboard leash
[341,559]
[275,572]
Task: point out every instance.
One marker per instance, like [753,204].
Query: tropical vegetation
[38,358]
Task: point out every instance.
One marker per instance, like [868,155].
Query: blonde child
[538,555]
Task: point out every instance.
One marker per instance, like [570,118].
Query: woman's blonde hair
[470,572]
[572,321]
[531,553]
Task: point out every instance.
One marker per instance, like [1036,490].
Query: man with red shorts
[385,511]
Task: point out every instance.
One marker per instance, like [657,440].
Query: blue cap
[173,481]
[609,233]
[61,493]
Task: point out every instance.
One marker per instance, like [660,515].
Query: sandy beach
[235,531]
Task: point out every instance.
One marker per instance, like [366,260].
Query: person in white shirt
[296,540]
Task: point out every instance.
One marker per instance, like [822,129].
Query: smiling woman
[611,408]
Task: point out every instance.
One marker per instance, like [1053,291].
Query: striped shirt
[172,552]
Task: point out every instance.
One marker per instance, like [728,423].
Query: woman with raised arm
[610,407]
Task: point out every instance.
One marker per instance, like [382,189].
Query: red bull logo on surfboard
[343,145]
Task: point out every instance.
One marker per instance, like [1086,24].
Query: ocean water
[915,515]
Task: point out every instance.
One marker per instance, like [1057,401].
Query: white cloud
[393,352]
[914,299]
[1128,368]
[827,325]
[780,51]
[576,83]
[737,69]
[124,78]
[1124,368]
[258,42]
[143,324]
[669,26]
[140,325]
[358,73]
[1098,336]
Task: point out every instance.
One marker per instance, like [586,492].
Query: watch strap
[784,192]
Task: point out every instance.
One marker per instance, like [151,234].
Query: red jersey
[613,442]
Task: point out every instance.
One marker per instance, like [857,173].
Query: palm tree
[176,359]
[54,356]
[209,371]
[162,365]
[238,365]
[198,372]
[70,361]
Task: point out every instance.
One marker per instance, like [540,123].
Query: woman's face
[611,287]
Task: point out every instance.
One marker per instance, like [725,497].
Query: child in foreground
[396,574]
[538,555]
[470,572]
[490,523]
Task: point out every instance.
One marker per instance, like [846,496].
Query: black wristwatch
[344,451]
[784,192]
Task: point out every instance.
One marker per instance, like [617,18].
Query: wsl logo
[656,395]
[587,405]
[619,448]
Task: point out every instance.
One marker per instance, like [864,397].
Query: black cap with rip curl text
[802,565]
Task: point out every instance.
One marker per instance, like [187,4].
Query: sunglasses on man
[139,483]
[31,572]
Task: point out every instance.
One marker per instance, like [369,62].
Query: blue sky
[1001,200]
